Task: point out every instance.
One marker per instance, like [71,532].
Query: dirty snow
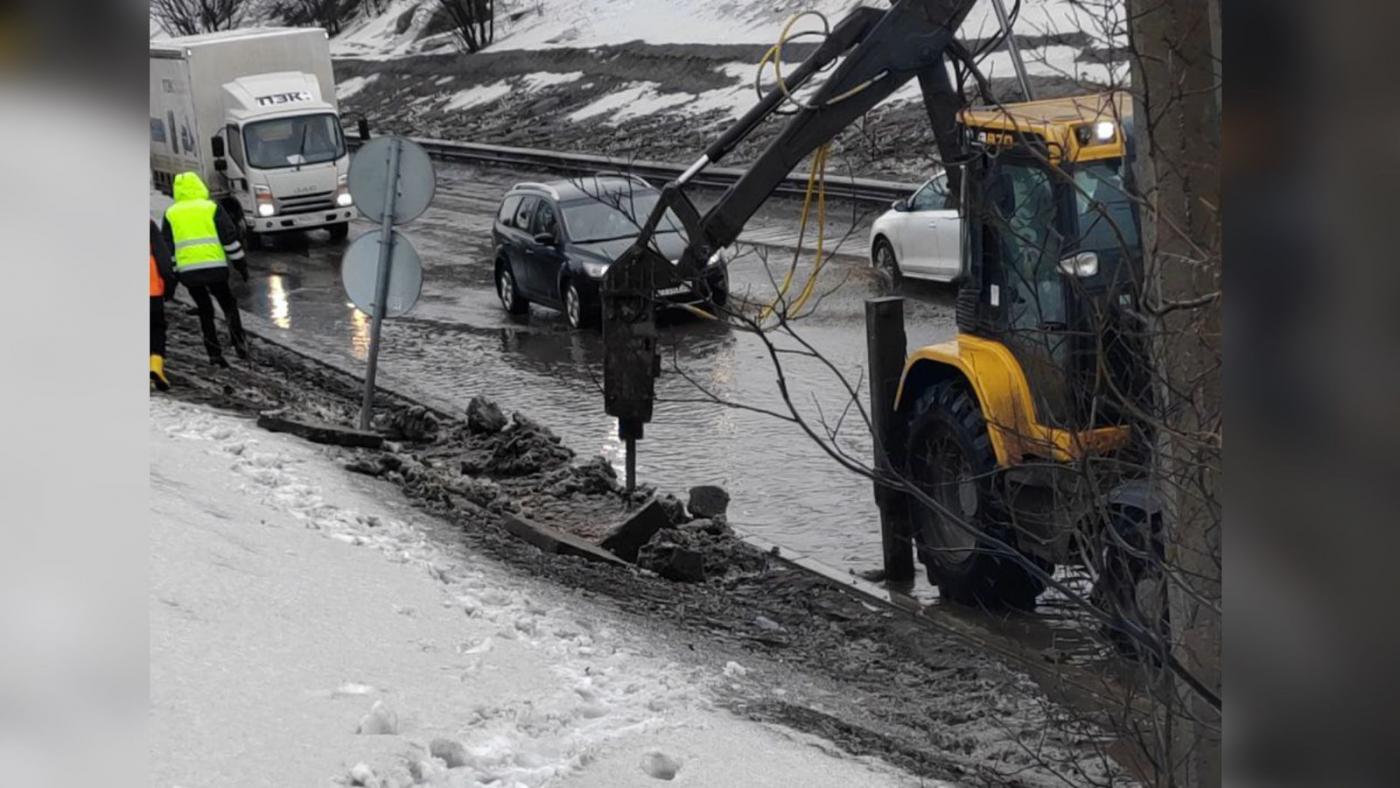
[544,79]
[632,101]
[353,85]
[481,94]
[293,605]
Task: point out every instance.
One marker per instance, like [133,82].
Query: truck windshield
[609,217]
[1106,219]
[288,142]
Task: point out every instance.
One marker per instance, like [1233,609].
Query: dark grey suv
[554,242]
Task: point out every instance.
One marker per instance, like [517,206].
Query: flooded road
[458,342]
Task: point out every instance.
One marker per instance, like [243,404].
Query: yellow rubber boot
[158,373]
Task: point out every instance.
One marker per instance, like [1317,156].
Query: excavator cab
[1044,370]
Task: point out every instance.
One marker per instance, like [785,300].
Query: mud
[410,96]
[872,682]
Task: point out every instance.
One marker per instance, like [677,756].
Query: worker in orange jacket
[162,289]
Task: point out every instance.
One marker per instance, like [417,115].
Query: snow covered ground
[587,24]
[305,632]
[543,24]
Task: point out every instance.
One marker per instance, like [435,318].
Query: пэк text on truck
[254,113]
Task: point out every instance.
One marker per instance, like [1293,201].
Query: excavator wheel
[950,457]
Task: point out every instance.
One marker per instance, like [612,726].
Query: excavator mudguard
[999,384]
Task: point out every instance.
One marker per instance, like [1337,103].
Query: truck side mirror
[216,146]
[363,126]
[221,165]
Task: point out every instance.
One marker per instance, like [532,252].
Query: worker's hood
[188,186]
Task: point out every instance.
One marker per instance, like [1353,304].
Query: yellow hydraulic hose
[816,183]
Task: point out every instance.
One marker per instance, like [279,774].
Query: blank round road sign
[369,173]
[359,271]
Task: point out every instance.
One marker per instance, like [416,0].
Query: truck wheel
[253,240]
[339,231]
[509,292]
[950,457]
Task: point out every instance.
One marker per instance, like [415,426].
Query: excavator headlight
[1082,265]
[1097,133]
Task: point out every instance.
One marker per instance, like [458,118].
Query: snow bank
[377,671]
[544,79]
[633,101]
[378,37]
[481,94]
[353,85]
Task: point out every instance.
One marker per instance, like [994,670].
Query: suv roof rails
[630,176]
[538,187]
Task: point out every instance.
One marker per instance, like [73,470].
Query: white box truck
[253,112]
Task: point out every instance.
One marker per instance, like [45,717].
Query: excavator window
[1025,219]
[1106,221]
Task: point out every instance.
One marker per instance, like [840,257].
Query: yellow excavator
[1002,425]
[1007,424]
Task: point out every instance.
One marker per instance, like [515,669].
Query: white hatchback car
[920,237]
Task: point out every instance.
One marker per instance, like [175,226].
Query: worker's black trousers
[221,293]
[157,326]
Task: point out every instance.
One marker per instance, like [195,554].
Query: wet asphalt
[458,342]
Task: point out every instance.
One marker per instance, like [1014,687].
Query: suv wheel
[509,292]
[574,308]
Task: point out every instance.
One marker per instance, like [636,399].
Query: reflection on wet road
[458,343]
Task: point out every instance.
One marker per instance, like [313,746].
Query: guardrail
[864,190]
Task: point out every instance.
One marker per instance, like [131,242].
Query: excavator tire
[950,457]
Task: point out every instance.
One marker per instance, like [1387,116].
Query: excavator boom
[880,51]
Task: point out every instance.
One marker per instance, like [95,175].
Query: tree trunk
[1176,74]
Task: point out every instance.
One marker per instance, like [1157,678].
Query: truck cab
[253,112]
[286,161]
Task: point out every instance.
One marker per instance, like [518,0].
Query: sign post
[386,250]
[392,181]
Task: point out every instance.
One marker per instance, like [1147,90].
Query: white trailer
[253,112]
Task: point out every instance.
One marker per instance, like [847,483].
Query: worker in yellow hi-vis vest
[205,242]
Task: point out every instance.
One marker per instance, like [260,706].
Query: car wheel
[509,292]
[883,259]
[574,309]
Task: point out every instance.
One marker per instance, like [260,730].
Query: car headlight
[595,269]
[342,192]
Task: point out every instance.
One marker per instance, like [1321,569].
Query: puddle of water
[459,343]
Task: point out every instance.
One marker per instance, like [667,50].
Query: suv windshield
[288,142]
[614,215]
[1104,209]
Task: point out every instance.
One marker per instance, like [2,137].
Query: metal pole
[1015,51]
[381,293]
